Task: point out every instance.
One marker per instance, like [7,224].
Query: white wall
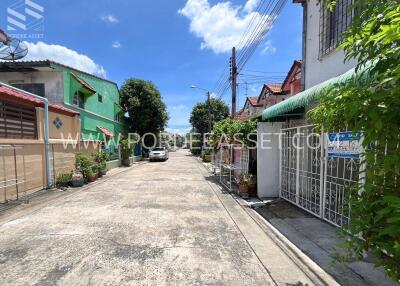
[268,157]
[53,80]
[331,65]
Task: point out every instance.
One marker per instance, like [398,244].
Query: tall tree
[199,117]
[143,101]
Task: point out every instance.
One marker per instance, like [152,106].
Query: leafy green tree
[143,101]
[370,103]
[199,116]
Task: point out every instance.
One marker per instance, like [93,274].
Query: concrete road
[163,223]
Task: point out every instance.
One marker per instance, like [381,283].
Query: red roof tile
[241,116]
[12,95]
[253,100]
[275,87]
[62,109]
[106,131]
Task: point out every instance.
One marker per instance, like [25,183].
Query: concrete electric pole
[209,110]
[233,81]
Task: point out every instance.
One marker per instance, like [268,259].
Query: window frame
[32,88]
[75,100]
[333,25]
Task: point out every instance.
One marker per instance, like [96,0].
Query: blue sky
[173,43]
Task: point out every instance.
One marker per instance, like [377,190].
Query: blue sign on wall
[344,145]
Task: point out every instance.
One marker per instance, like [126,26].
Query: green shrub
[64,178]
[101,157]
[126,149]
[196,147]
[83,164]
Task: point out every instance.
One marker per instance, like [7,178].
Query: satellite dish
[13,50]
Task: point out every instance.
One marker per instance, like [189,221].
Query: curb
[306,264]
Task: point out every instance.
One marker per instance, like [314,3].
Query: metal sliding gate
[311,179]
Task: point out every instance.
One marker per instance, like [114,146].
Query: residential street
[163,223]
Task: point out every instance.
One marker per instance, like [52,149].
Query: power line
[252,37]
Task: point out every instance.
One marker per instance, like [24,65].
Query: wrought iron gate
[312,180]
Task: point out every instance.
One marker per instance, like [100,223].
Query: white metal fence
[313,180]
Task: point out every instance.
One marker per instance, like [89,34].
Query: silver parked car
[159,153]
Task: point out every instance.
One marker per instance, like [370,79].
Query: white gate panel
[312,180]
[340,175]
[288,165]
[310,170]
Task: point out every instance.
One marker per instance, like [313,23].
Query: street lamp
[208,104]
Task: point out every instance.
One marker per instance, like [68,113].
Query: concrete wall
[70,128]
[27,166]
[319,70]
[53,80]
[268,157]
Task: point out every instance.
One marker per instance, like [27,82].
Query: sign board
[344,145]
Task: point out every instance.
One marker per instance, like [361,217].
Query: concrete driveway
[163,223]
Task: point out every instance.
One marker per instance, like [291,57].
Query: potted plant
[102,169]
[126,152]
[83,164]
[93,173]
[77,180]
[252,185]
[207,155]
[101,159]
[243,184]
[63,179]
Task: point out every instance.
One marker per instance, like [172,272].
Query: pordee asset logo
[25,19]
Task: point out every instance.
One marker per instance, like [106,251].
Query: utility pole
[233,80]
[209,110]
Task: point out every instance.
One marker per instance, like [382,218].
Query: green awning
[306,97]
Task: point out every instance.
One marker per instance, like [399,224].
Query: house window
[35,88]
[100,98]
[79,99]
[333,24]
[17,122]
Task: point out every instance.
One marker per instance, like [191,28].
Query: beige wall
[23,162]
[28,165]
[70,130]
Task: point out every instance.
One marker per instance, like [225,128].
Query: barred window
[333,24]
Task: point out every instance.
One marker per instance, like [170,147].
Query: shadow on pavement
[319,241]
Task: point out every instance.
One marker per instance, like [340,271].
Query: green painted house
[97,99]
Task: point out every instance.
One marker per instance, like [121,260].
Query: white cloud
[116,45]
[180,107]
[220,26]
[251,5]
[268,49]
[109,19]
[63,55]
